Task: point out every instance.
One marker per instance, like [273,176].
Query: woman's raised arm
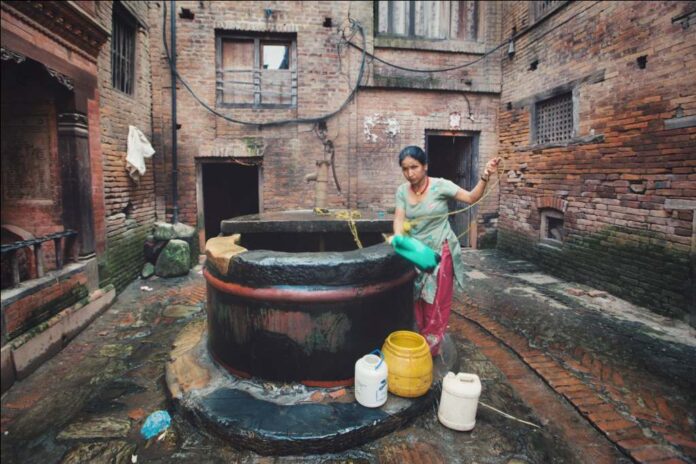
[399,216]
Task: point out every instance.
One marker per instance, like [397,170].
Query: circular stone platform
[283,418]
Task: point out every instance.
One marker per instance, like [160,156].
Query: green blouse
[433,231]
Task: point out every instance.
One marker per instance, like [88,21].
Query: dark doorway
[454,157]
[229,190]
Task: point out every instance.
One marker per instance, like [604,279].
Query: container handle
[381,357]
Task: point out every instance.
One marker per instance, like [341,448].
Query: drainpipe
[175,168]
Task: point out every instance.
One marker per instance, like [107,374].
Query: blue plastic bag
[155,423]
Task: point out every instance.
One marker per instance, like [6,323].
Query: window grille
[122,50]
[540,8]
[256,71]
[553,119]
[428,19]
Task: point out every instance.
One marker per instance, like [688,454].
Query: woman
[420,200]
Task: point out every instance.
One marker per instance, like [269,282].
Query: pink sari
[432,319]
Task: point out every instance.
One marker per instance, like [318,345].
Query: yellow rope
[408,224]
[351,215]
[346,215]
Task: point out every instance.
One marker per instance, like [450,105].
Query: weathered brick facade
[129,206]
[625,185]
[391,110]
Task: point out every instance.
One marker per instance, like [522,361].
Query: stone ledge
[29,287]
[680,123]
[26,353]
[434,45]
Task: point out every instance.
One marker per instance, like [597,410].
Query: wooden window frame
[257,70]
[123,43]
[544,215]
[411,35]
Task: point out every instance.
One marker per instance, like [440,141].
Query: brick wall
[366,170]
[129,207]
[48,300]
[625,167]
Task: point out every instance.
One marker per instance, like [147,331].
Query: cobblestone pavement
[605,385]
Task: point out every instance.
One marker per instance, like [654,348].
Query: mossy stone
[174,260]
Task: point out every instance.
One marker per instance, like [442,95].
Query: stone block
[30,350]
[115,451]
[183,231]
[102,427]
[148,271]
[164,231]
[174,260]
[220,250]
[7,369]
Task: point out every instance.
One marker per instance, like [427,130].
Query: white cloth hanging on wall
[139,148]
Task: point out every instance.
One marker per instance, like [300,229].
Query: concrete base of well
[283,418]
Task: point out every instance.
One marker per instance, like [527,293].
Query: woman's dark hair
[414,152]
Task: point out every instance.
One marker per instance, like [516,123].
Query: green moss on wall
[638,266]
[123,259]
[49,309]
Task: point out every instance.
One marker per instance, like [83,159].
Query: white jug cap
[462,385]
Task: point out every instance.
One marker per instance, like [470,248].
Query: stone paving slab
[630,372]
[115,370]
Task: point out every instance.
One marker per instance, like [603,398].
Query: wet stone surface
[112,376]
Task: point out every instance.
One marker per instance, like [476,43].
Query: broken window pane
[275,56]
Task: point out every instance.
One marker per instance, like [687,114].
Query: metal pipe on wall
[175,167]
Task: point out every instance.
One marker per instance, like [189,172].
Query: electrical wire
[354,24]
[452,68]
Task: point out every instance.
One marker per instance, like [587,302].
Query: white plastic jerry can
[371,380]
[459,401]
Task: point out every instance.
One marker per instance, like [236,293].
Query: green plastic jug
[415,251]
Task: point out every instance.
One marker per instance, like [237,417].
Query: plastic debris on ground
[155,423]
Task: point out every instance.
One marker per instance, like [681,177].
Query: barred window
[256,70]
[122,49]
[553,119]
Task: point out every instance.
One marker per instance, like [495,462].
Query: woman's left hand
[491,167]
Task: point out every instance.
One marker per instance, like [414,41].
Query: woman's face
[413,170]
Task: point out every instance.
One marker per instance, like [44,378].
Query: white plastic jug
[459,401]
[371,380]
